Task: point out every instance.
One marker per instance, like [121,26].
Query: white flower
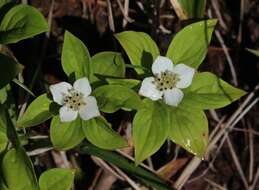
[167,81]
[75,99]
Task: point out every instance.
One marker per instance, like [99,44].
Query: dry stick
[251,153]
[110,16]
[225,50]
[125,11]
[214,4]
[214,115]
[212,183]
[194,163]
[105,166]
[128,179]
[252,187]
[237,163]
[242,11]
[247,131]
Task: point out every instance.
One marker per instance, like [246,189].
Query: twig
[237,163]
[217,186]
[128,179]
[214,4]
[110,16]
[242,11]
[229,60]
[251,153]
[256,178]
[125,12]
[105,166]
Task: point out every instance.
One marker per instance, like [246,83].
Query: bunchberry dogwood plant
[167,81]
[75,99]
[168,105]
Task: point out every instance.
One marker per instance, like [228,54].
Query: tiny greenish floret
[166,80]
[74,99]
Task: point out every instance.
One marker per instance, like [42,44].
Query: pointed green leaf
[110,64]
[99,133]
[11,69]
[253,51]
[57,179]
[150,129]
[189,129]
[140,48]
[65,135]
[36,113]
[190,45]
[21,22]
[207,91]
[17,171]
[76,60]
[111,98]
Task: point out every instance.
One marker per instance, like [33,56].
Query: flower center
[74,99]
[166,80]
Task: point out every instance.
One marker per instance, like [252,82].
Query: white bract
[167,81]
[75,99]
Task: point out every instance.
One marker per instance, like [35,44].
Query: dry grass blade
[179,10]
[237,163]
[110,16]
[171,168]
[215,185]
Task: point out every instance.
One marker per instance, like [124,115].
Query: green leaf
[110,64]
[3,141]
[189,129]
[3,95]
[141,173]
[36,113]
[3,124]
[111,98]
[186,9]
[57,179]
[150,129]
[253,51]
[76,60]
[65,135]
[4,2]
[99,132]
[2,184]
[11,69]
[129,83]
[21,22]
[190,45]
[17,171]
[140,48]
[209,92]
